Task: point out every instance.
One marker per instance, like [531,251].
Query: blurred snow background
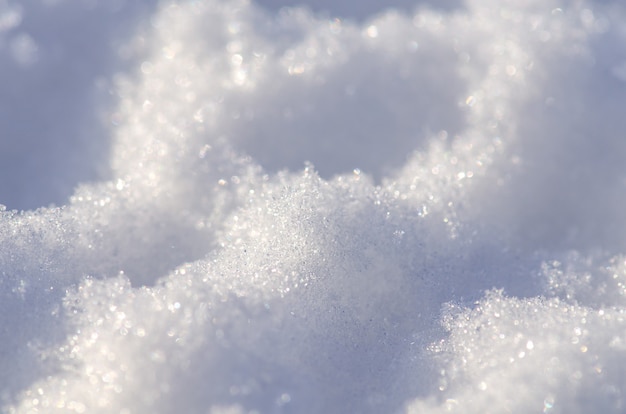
[238,206]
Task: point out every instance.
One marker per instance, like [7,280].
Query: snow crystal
[240,207]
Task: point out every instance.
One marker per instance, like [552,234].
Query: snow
[241,207]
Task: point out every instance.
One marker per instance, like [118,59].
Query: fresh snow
[254,207]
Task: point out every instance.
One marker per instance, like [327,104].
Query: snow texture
[242,207]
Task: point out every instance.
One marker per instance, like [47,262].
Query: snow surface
[240,207]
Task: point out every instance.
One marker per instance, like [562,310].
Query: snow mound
[414,211]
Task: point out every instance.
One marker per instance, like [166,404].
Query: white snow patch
[413,210]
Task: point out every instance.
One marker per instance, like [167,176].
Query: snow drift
[264,209]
